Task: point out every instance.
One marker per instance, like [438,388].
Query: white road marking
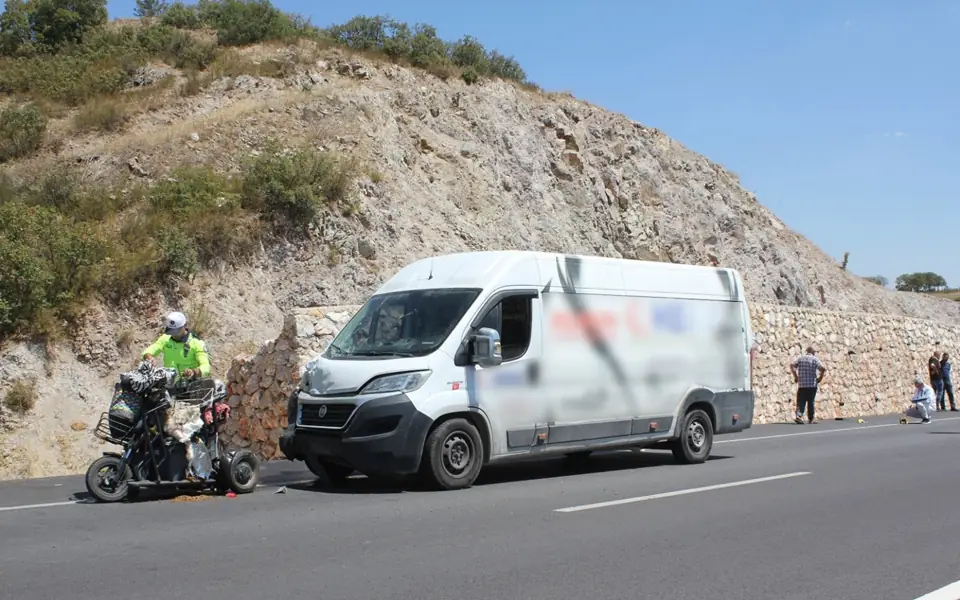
[47,505]
[679,492]
[822,432]
[73,502]
[948,592]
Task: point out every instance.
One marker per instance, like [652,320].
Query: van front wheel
[453,455]
[696,438]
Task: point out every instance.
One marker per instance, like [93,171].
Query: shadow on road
[944,432]
[525,470]
[277,475]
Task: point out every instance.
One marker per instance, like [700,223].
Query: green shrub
[177,47]
[61,242]
[421,47]
[54,24]
[238,22]
[150,8]
[180,256]
[470,76]
[71,78]
[181,16]
[290,188]
[47,263]
[15,33]
[69,57]
[198,219]
[243,22]
[8,187]
[62,190]
[21,131]
[102,65]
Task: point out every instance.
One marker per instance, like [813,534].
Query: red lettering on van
[593,324]
[635,323]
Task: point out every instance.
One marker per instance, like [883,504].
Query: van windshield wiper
[381,353]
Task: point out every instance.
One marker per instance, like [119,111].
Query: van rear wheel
[696,438]
[452,455]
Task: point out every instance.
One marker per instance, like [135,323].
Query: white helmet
[175,321]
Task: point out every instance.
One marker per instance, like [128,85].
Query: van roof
[582,273]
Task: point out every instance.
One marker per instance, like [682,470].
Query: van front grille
[325,415]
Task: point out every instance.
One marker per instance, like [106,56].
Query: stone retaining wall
[871,361]
[260,384]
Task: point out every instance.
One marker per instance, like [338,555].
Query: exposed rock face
[448,167]
[871,361]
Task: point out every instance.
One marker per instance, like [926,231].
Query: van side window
[512,317]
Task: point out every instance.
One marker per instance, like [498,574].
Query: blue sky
[842,116]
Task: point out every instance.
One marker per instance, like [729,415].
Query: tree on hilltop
[48,23]
[921,282]
[146,9]
[421,47]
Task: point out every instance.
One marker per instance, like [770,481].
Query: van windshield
[412,323]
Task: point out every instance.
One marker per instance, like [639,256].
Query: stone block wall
[261,384]
[871,361]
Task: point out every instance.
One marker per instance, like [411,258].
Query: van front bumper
[384,435]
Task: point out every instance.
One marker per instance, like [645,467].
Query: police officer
[181,350]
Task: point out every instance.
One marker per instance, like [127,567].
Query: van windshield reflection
[402,324]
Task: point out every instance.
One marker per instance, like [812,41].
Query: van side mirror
[486,348]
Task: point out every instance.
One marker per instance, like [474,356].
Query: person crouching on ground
[923,401]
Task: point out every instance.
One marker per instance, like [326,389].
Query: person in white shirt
[922,400]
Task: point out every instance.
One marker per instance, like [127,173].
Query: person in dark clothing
[807,372]
[945,368]
[936,379]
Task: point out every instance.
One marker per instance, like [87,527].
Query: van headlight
[401,382]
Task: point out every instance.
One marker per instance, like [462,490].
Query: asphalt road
[835,510]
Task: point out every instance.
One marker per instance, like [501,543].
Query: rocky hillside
[276,175]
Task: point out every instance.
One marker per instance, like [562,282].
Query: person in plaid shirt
[807,372]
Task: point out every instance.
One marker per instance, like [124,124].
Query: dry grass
[111,114]
[22,396]
[107,115]
[272,60]
[949,295]
[125,339]
[202,321]
[179,131]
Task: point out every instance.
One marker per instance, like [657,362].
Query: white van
[467,359]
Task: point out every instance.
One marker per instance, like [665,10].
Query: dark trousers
[948,388]
[805,399]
